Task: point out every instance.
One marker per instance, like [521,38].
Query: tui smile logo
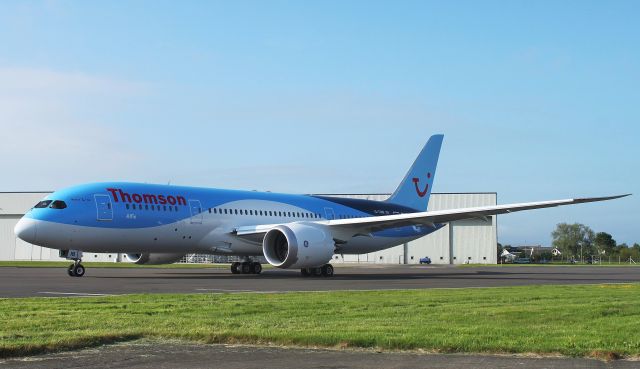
[416,181]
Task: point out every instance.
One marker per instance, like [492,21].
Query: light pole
[580,244]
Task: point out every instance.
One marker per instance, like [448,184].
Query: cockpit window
[58,204]
[43,204]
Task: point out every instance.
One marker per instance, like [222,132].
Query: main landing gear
[323,271]
[76,269]
[246,267]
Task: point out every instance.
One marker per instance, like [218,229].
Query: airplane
[159,224]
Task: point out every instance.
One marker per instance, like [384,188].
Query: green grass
[591,320]
[89,264]
[603,264]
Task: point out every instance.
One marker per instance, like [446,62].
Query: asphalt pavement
[156,355]
[24,282]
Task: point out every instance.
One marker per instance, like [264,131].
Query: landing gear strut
[246,267]
[76,269]
[324,271]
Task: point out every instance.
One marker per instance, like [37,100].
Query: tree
[571,239]
[605,242]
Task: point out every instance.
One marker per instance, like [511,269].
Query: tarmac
[163,355]
[54,282]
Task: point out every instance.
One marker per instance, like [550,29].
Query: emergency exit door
[196,211]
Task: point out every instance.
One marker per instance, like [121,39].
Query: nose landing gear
[76,269]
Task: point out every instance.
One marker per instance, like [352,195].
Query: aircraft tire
[316,272]
[70,271]
[246,268]
[256,268]
[78,270]
[305,272]
[327,270]
[235,268]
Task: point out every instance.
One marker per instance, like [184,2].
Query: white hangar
[468,241]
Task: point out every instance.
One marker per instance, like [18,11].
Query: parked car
[425,260]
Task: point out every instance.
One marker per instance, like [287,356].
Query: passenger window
[127,206]
[270,213]
[165,207]
[236,210]
[146,207]
[261,212]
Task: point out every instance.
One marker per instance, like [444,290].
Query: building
[468,241]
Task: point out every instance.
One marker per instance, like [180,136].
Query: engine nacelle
[298,245]
[153,258]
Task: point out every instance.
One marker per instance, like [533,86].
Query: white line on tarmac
[76,293]
[223,290]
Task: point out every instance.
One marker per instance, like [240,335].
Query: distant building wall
[473,241]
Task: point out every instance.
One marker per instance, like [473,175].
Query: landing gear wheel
[305,272]
[235,268]
[70,271]
[246,268]
[256,268]
[316,272]
[327,270]
[78,270]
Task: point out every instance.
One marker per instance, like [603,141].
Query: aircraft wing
[347,228]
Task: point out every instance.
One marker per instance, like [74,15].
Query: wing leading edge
[428,218]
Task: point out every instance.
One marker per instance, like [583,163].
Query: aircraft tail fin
[415,188]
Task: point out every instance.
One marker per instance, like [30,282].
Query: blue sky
[537,100]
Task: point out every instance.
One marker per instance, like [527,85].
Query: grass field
[555,264]
[593,320]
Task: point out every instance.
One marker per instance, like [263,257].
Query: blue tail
[415,188]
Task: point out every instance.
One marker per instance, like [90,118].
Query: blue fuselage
[134,217]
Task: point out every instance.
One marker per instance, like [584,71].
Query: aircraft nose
[26,230]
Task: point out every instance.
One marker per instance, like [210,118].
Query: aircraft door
[103,207]
[196,211]
[329,213]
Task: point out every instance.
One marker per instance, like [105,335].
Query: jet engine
[153,258]
[298,245]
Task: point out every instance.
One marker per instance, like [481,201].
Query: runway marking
[79,294]
[222,290]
